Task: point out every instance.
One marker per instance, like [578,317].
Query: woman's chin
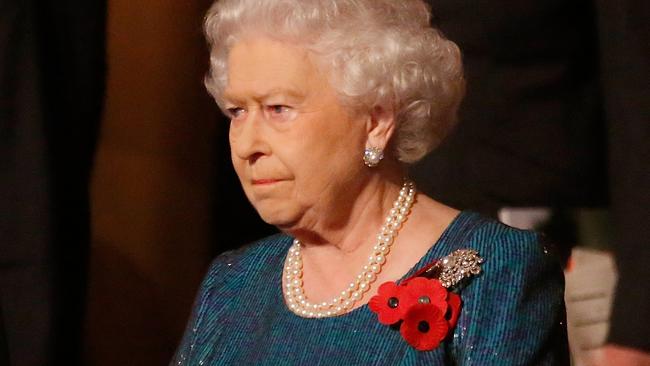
[282,219]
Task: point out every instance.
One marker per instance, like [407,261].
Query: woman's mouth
[262,182]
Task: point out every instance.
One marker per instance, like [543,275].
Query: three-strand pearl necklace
[294,293]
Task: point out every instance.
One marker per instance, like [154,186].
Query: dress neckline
[437,250]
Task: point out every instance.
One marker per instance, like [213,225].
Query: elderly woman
[329,101]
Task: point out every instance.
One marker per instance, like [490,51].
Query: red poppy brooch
[424,307]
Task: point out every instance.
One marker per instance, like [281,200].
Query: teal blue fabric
[512,314]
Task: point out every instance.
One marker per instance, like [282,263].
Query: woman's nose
[247,140]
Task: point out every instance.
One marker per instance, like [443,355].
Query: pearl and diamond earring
[372,156]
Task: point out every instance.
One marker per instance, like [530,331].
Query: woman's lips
[263,182]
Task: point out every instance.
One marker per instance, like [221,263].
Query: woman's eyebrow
[288,92]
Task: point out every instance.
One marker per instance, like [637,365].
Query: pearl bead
[370,276]
[296,265]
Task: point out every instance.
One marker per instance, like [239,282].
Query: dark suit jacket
[557,114]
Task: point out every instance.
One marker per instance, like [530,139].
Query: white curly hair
[377,52]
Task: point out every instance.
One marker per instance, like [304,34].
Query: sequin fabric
[512,314]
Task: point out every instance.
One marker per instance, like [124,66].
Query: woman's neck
[352,221]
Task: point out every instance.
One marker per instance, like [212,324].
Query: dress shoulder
[228,275]
[504,247]
[513,312]
[242,263]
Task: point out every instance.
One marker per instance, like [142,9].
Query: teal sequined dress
[512,314]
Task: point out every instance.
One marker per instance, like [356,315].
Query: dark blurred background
[117,189]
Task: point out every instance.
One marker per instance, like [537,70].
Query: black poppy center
[423,326]
[393,302]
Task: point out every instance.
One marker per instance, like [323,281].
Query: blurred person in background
[557,115]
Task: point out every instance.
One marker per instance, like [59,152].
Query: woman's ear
[380,127]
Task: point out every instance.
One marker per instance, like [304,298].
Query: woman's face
[296,149]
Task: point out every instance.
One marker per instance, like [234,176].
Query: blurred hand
[613,355]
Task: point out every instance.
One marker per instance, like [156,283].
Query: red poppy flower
[424,311]
[427,291]
[455,303]
[424,327]
[390,303]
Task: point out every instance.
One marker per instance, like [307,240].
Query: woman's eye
[278,109]
[234,112]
